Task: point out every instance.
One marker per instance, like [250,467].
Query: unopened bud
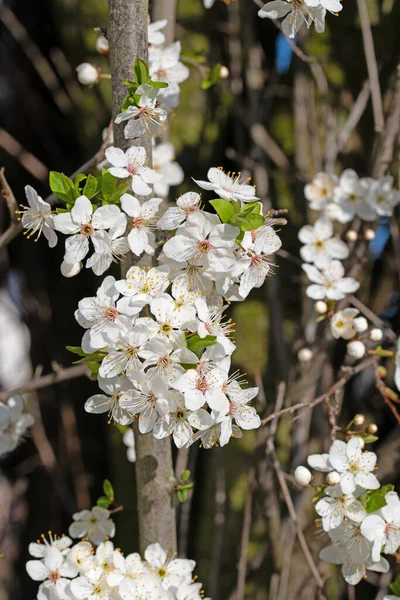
[224,72]
[352,235]
[305,355]
[375,335]
[333,478]
[320,307]
[359,420]
[70,270]
[373,428]
[369,235]
[356,349]
[360,324]
[102,45]
[87,74]
[302,475]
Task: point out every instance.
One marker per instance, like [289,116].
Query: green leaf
[224,209]
[91,358]
[76,350]
[62,186]
[247,222]
[212,77]
[395,586]
[78,179]
[128,101]
[108,184]
[157,84]
[103,501]
[141,70]
[373,500]
[92,187]
[61,210]
[182,495]
[195,343]
[185,475]
[319,492]
[117,193]
[108,490]
[251,207]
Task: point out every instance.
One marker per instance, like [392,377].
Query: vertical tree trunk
[127,34]
[165,9]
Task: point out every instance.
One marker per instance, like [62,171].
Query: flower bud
[305,355]
[302,476]
[352,235]
[102,45]
[382,371]
[87,74]
[70,270]
[355,349]
[373,428]
[224,72]
[359,420]
[320,307]
[360,324]
[375,335]
[333,478]
[369,235]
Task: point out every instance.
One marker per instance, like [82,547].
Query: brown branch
[58,376]
[385,147]
[370,57]
[381,387]
[244,545]
[9,197]
[270,449]
[367,312]
[337,386]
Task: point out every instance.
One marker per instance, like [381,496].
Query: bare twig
[385,148]
[242,566]
[367,312]
[380,386]
[337,386]
[38,383]
[372,66]
[9,197]
[354,117]
[286,494]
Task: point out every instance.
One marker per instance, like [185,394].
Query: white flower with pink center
[203,387]
[228,185]
[176,215]
[82,225]
[132,163]
[145,118]
[141,223]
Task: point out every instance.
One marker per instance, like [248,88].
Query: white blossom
[354,562]
[145,118]
[329,283]
[164,65]
[320,191]
[228,185]
[296,12]
[164,164]
[319,245]
[95,524]
[342,323]
[337,506]
[14,423]
[383,197]
[154,35]
[115,391]
[132,163]
[143,217]
[37,218]
[383,527]
[351,196]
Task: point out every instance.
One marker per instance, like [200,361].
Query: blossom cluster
[361,518]
[297,12]
[160,334]
[81,571]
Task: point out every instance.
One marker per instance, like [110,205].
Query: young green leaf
[62,186]
[182,495]
[185,475]
[247,222]
[90,358]
[108,490]
[224,209]
[195,343]
[141,70]
[92,187]
[395,586]
[157,84]
[76,350]
[103,501]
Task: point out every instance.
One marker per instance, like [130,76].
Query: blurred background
[275,118]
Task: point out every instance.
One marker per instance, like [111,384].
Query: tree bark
[165,9]
[127,34]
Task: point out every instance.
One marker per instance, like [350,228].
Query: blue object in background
[382,235]
[283,54]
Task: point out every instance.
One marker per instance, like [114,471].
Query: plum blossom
[337,506]
[145,118]
[245,416]
[95,524]
[132,163]
[351,197]
[329,283]
[383,527]
[179,421]
[82,224]
[171,570]
[164,65]
[54,570]
[383,197]
[320,191]
[143,216]
[122,355]
[174,216]
[115,390]
[342,323]
[319,245]
[228,185]
[201,387]
[14,423]
[296,12]
[154,35]
[141,286]
[147,398]
[354,466]
[205,240]
[37,218]
[164,164]
[111,247]
[354,561]
[164,360]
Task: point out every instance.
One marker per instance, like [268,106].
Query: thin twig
[367,312]
[337,386]
[38,383]
[286,494]
[9,197]
[370,57]
[242,566]
[353,119]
